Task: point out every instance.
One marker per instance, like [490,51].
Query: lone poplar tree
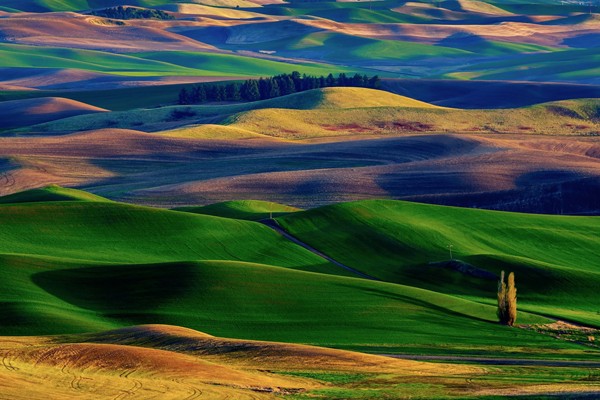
[511,300]
[501,312]
[507,300]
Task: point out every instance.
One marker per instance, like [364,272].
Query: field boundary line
[273,224]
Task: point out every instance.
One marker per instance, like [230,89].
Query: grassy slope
[337,47]
[151,64]
[300,124]
[134,265]
[252,210]
[568,65]
[305,115]
[12,55]
[554,257]
[252,301]
[113,232]
[234,65]
[50,193]
[319,99]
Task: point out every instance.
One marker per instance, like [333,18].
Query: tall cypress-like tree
[507,300]
[511,300]
[501,311]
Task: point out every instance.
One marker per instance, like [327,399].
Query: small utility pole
[450,249]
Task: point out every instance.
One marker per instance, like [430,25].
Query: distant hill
[19,113]
[50,193]
[488,94]
[252,210]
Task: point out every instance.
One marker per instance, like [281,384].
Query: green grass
[46,5]
[566,65]
[554,258]
[152,64]
[114,232]
[336,47]
[50,193]
[254,301]
[495,48]
[339,378]
[234,65]
[252,210]
[75,266]
[12,55]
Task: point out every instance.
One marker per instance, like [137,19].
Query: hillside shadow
[586,41]
[119,290]
[478,94]
[578,196]
[462,40]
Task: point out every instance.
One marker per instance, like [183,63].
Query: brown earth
[19,113]
[167,362]
[518,173]
[89,32]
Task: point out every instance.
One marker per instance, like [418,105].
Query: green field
[352,49]
[236,278]
[252,210]
[553,257]
[152,64]
[560,66]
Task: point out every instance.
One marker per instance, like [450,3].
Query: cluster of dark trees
[121,12]
[268,88]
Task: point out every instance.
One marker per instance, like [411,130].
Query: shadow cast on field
[124,291]
[199,165]
[539,192]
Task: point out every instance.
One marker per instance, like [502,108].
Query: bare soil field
[518,173]
[167,362]
[20,113]
[90,32]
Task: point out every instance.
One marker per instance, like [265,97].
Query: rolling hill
[252,210]
[338,243]
[20,113]
[170,362]
[150,64]
[334,112]
[165,266]
[398,241]
[50,193]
